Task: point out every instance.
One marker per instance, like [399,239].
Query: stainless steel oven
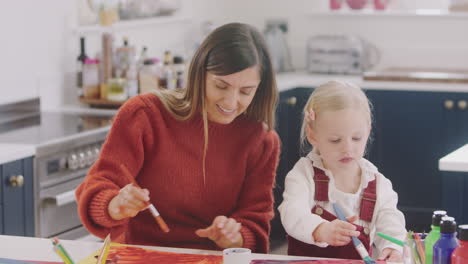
[67,144]
[59,169]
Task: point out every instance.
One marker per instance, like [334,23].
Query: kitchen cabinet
[455,195]
[289,121]
[411,131]
[17,214]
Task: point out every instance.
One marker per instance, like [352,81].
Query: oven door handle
[64,198]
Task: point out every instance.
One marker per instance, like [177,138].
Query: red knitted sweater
[165,155]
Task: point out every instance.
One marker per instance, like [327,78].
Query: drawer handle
[291,101]
[462,104]
[448,104]
[65,198]
[17,181]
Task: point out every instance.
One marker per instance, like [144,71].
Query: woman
[205,156]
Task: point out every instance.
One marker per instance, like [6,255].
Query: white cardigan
[298,201]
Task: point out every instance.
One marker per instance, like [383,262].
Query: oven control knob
[96,151]
[73,161]
[81,160]
[89,157]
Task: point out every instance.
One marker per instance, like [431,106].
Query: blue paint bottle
[447,243]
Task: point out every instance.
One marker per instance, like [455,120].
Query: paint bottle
[460,254]
[434,235]
[447,243]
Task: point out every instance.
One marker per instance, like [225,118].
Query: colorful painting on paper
[321,261]
[136,255]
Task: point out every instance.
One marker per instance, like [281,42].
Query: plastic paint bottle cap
[448,225]
[437,216]
[463,232]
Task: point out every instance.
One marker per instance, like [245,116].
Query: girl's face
[340,136]
[229,96]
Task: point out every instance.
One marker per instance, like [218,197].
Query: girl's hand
[225,232]
[336,232]
[129,202]
[391,255]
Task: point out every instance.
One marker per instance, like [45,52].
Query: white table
[40,249]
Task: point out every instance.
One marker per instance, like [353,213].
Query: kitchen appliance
[340,54]
[67,144]
[275,37]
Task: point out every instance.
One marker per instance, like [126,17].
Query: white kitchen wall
[38,46]
[405,41]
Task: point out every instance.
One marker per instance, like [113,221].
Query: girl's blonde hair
[334,96]
[228,49]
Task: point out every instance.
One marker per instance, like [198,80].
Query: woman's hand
[336,232]
[391,255]
[225,232]
[129,202]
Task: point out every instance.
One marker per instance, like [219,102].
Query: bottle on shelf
[447,242]
[132,80]
[167,78]
[124,56]
[143,56]
[460,254]
[106,63]
[91,79]
[149,75]
[434,235]
[79,69]
[179,69]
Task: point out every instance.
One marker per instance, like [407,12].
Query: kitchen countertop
[286,81]
[12,152]
[455,161]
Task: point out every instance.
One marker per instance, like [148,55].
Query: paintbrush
[357,243]
[162,224]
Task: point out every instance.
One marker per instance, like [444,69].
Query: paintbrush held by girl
[337,123]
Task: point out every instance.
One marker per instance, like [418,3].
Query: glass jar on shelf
[116,90]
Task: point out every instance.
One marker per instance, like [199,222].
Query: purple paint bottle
[447,243]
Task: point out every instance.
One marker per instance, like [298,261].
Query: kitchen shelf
[101,103]
[129,24]
[368,12]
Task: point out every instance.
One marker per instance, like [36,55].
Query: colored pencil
[104,251]
[60,250]
[391,239]
[419,246]
[162,224]
[416,258]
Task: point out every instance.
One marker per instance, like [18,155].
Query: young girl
[337,124]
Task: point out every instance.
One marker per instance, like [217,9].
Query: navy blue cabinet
[455,195]
[455,184]
[17,214]
[289,118]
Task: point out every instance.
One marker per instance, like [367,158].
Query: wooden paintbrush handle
[162,224]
